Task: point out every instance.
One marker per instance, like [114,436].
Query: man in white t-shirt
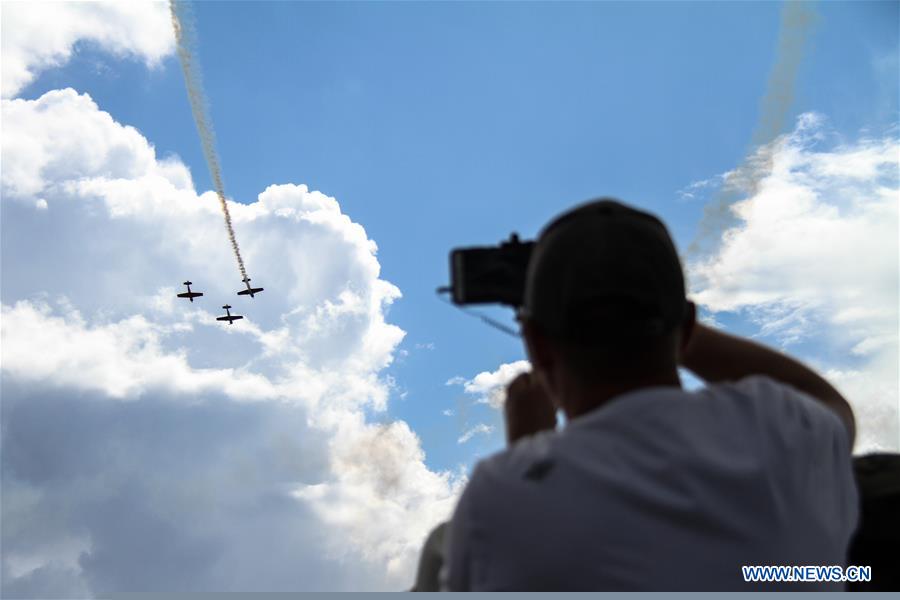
[648,486]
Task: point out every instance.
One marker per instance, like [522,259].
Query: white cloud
[690,191]
[237,456]
[481,428]
[383,497]
[40,35]
[79,145]
[489,387]
[122,359]
[813,258]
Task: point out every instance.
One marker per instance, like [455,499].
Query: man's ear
[541,355]
[535,344]
[687,326]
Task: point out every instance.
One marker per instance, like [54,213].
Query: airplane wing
[190,294]
[244,292]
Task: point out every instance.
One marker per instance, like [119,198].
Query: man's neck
[581,399]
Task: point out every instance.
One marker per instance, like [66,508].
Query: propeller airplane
[189,294]
[228,316]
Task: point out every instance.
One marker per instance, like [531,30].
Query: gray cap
[605,270]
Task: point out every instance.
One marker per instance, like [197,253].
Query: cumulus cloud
[40,35]
[147,446]
[383,497]
[813,259]
[489,387]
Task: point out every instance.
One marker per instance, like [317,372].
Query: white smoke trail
[184,36]
[797,19]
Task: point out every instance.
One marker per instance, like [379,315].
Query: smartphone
[490,274]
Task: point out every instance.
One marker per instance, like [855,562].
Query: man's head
[604,301]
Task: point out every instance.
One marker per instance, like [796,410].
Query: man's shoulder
[784,405]
[519,461]
[794,427]
[755,407]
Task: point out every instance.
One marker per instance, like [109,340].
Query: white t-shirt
[661,489]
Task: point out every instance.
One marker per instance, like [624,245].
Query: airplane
[189,294]
[249,289]
[228,316]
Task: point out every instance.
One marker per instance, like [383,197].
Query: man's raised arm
[717,356]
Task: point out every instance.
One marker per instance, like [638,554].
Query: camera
[490,274]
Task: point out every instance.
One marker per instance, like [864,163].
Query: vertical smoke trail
[184,36]
[797,19]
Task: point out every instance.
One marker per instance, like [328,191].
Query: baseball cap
[604,270]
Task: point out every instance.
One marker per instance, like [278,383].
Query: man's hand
[527,409]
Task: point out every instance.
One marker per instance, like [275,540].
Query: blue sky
[441,125]
[437,125]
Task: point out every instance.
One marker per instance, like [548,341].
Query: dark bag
[877,541]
